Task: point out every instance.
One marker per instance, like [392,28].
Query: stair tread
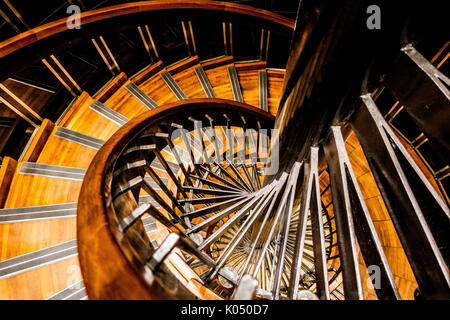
[189,83]
[82,119]
[70,153]
[218,77]
[56,277]
[156,88]
[127,104]
[46,190]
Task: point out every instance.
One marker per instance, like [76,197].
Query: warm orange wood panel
[41,283]
[157,89]
[275,80]
[69,154]
[188,82]
[83,119]
[147,72]
[248,78]
[125,103]
[220,82]
[24,237]
[45,191]
[39,140]
[77,108]
[111,87]
[7,170]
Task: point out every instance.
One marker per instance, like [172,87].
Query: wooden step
[157,89]
[37,258]
[7,170]
[38,141]
[84,118]
[111,87]
[216,71]
[248,74]
[31,188]
[185,76]
[275,79]
[41,283]
[35,213]
[73,149]
[40,190]
[140,95]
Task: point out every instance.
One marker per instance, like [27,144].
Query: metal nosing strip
[173,86]
[75,291]
[44,212]
[153,184]
[52,171]
[79,138]
[109,113]
[157,165]
[262,76]
[141,95]
[235,86]
[78,295]
[204,82]
[146,199]
[150,224]
[38,258]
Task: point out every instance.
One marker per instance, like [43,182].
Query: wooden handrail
[108,272]
[26,38]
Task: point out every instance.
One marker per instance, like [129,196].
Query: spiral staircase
[168,159]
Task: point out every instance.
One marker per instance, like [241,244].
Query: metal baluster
[346,190]
[421,218]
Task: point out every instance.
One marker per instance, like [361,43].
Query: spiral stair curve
[170,180]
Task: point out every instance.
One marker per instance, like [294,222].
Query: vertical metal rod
[287,202]
[320,259]
[346,186]
[421,215]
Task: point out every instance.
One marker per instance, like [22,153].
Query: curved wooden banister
[26,38]
[107,272]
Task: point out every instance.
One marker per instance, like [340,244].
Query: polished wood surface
[218,77]
[125,103]
[111,87]
[275,80]
[7,170]
[183,73]
[70,154]
[52,28]
[248,78]
[149,71]
[25,237]
[38,141]
[41,283]
[44,191]
[85,120]
[34,97]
